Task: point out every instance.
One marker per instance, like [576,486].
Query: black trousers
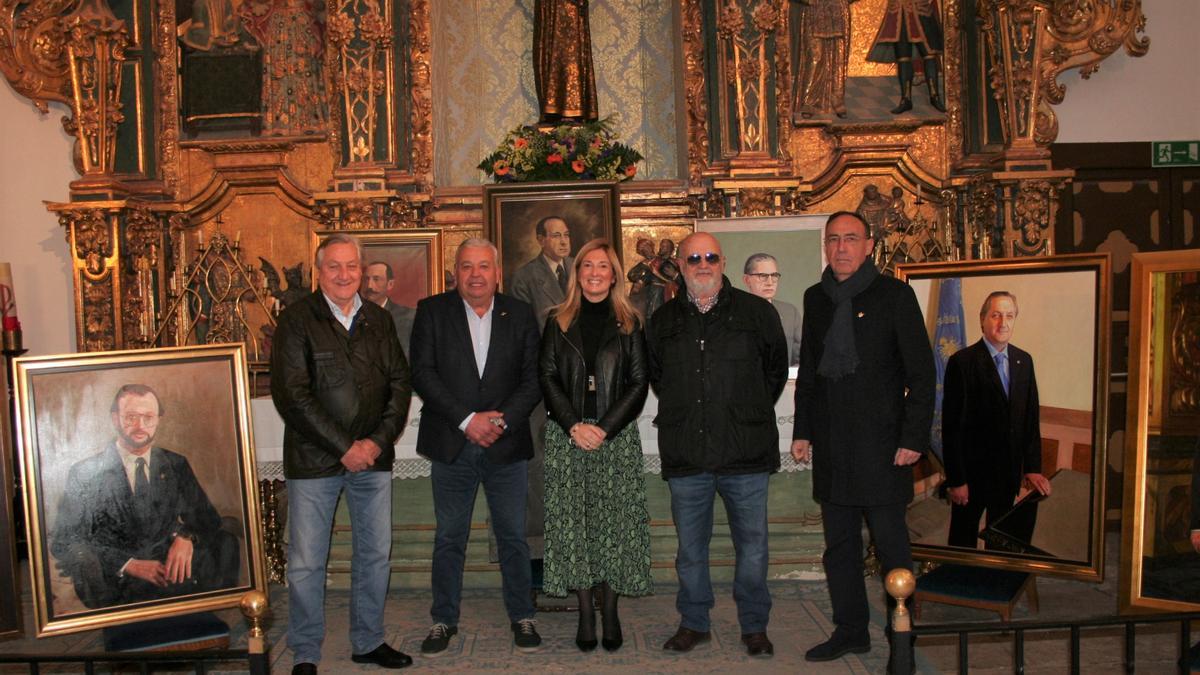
[964,519]
[844,556]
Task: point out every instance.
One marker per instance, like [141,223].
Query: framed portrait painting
[1160,554]
[409,262]
[570,213]
[141,498]
[1015,478]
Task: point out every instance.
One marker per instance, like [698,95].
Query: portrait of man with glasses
[761,275]
[134,523]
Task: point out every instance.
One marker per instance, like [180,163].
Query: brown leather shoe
[685,639]
[757,644]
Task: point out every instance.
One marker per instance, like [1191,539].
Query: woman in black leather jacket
[593,374]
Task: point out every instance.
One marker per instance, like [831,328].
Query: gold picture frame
[1162,434]
[93,545]
[415,256]
[1063,325]
[511,211]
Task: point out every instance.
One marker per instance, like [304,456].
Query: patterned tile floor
[800,618]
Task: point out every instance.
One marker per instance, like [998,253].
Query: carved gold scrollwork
[695,89]
[360,34]
[95,50]
[1031,42]
[421,93]
[166,53]
[33,49]
[143,249]
[1030,230]
[92,238]
[744,63]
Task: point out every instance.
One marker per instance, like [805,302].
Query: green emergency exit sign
[1176,153]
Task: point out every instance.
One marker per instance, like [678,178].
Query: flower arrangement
[587,151]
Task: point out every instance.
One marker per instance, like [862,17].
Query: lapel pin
[861,315]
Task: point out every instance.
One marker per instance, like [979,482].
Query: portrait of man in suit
[134,523]
[761,275]
[991,427]
[378,281]
[542,282]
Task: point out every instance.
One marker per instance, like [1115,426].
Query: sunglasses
[710,257]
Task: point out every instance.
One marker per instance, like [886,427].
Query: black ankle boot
[905,98]
[612,623]
[585,636]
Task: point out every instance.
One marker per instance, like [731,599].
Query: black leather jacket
[717,376]
[621,375]
[333,387]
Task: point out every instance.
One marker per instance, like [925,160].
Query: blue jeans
[454,489]
[311,506]
[745,498]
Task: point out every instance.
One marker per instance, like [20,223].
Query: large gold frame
[1091,569]
[1146,341]
[232,356]
[10,590]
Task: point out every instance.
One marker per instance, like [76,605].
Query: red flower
[577,165]
[554,158]
[597,141]
[631,170]
[500,167]
[520,143]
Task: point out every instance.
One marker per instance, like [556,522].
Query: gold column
[96,42]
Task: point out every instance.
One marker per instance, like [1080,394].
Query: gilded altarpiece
[214,137]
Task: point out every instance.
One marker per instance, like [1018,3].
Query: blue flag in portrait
[949,336]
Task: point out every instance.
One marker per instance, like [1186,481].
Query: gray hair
[987,302]
[477,242]
[339,238]
[757,258]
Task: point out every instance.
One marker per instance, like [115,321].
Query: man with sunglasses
[864,406]
[761,276]
[718,362]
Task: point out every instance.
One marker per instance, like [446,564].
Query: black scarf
[840,357]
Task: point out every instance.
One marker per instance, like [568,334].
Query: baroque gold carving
[167,95]
[360,38]
[91,237]
[143,246]
[695,89]
[33,49]
[421,93]
[95,50]
[1031,226]
[1031,42]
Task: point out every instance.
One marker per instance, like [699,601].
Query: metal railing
[1019,629]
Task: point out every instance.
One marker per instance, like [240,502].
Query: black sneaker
[438,639]
[525,635]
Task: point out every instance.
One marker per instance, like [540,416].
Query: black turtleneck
[592,317]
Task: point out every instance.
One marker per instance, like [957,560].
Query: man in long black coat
[864,406]
[991,427]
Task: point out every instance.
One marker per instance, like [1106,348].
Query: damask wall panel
[633,51]
[483,83]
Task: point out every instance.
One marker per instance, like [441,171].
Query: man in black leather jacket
[341,382]
[718,361]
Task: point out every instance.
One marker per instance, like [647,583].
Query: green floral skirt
[597,526]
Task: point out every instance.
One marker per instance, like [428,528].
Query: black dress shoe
[304,669]
[838,646]
[685,639]
[384,656]
[757,644]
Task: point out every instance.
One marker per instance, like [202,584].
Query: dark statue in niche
[910,25]
[562,61]
[293,84]
[820,36]
[252,65]
[222,68]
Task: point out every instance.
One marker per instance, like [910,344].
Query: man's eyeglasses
[848,239]
[710,258]
[765,276]
[129,419]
